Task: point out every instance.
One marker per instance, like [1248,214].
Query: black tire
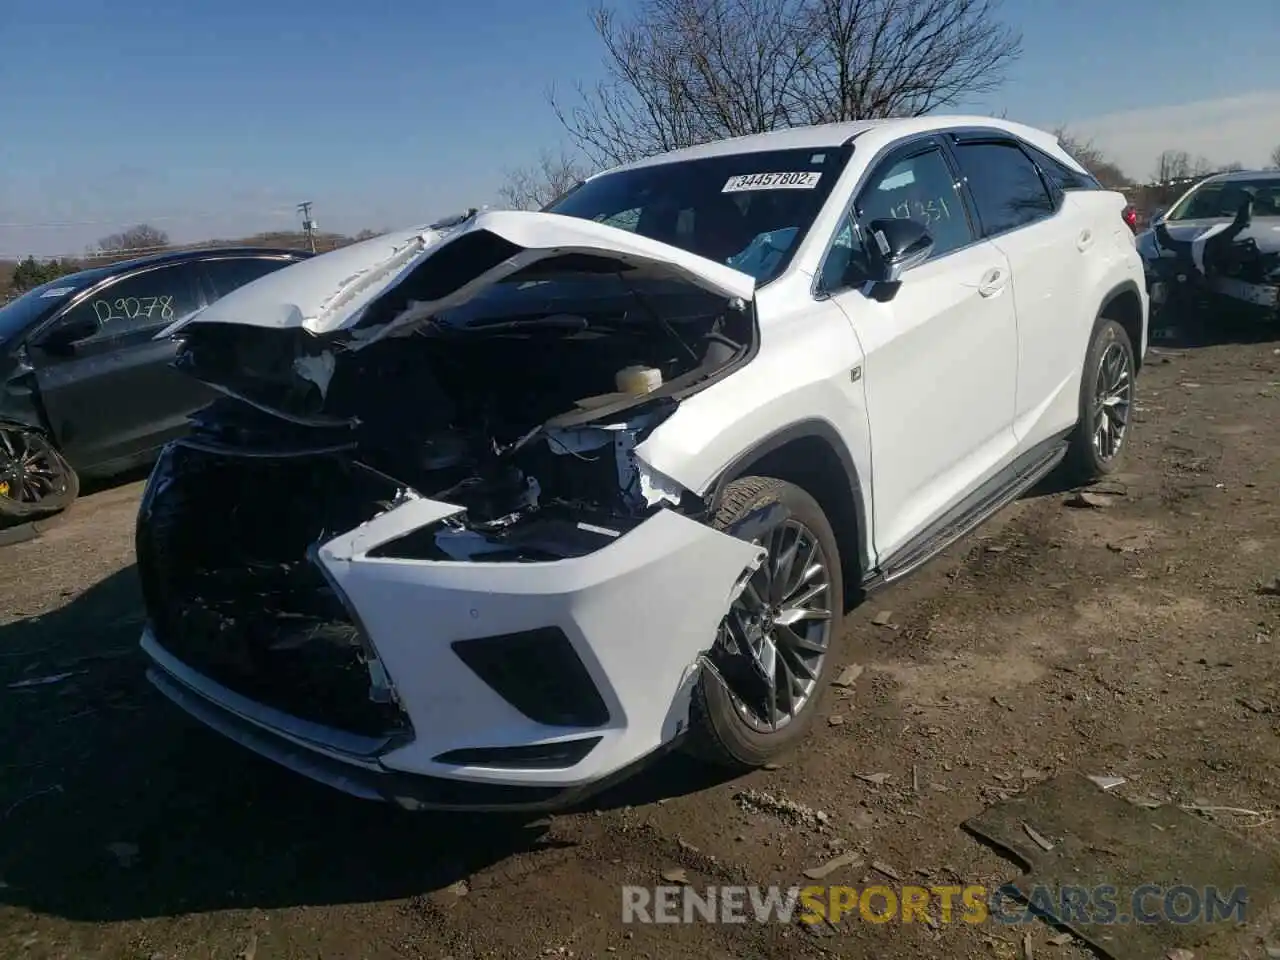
[18,505]
[1085,462]
[751,508]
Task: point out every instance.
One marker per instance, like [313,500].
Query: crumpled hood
[1264,231]
[351,287]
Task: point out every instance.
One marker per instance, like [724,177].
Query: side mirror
[899,245]
[62,337]
[1156,216]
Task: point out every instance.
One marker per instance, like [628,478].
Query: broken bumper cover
[524,684]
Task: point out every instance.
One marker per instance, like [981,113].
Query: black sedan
[85,385]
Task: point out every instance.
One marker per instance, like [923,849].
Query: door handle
[1085,240]
[993,281]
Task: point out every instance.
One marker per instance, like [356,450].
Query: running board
[997,493]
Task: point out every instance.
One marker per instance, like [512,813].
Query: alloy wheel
[1112,397]
[782,621]
[29,468]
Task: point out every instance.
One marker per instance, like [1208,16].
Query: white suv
[494,509]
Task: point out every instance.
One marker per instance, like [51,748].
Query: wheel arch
[1123,304]
[811,454]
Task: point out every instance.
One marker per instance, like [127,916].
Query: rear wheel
[1106,404]
[35,480]
[773,653]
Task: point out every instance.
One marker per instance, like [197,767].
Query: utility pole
[308,225]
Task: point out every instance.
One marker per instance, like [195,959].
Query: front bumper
[637,614]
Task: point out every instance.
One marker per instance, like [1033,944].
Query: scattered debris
[675,875]
[1180,953]
[915,778]
[835,720]
[1001,703]
[848,676]
[1271,589]
[1060,939]
[831,866]
[883,619]
[1030,774]
[1083,498]
[1040,840]
[250,950]
[459,888]
[881,867]
[126,854]
[788,811]
[877,779]
[772,766]
[1108,783]
[1238,811]
[44,681]
[1134,543]
[1255,705]
[1026,947]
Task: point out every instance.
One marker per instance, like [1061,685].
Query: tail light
[1130,215]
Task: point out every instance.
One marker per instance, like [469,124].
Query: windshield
[1222,198]
[37,303]
[749,211]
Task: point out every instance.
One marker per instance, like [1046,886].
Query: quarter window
[153,298]
[1006,187]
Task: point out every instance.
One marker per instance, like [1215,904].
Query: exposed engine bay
[537,407]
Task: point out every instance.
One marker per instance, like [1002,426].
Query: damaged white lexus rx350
[491,511]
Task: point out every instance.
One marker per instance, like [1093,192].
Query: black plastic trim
[1001,489]
[537,756]
[813,428]
[539,673]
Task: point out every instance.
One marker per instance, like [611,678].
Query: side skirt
[980,505]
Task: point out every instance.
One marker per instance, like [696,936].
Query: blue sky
[215,118]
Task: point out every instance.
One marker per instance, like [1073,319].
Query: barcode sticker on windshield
[806,180]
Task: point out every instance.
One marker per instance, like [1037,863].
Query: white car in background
[493,510]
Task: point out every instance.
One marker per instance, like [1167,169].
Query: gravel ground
[1135,639]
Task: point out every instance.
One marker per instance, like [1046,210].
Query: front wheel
[1106,404]
[772,656]
[35,480]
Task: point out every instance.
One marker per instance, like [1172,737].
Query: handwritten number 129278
[134,308]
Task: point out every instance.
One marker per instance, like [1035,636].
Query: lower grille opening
[540,674]
[538,756]
[222,546]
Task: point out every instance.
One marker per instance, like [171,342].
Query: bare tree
[1231,167]
[1093,159]
[535,186]
[682,72]
[1173,165]
[1275,158]
[142,237]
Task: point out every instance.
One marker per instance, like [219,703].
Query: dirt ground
[1135,639]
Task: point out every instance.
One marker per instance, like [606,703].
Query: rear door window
[1006,186]
[232,273]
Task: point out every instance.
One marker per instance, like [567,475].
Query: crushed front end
[1229,270]
[431,568]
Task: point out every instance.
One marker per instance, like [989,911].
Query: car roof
[830,135]
[94,274]
[1250,175]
